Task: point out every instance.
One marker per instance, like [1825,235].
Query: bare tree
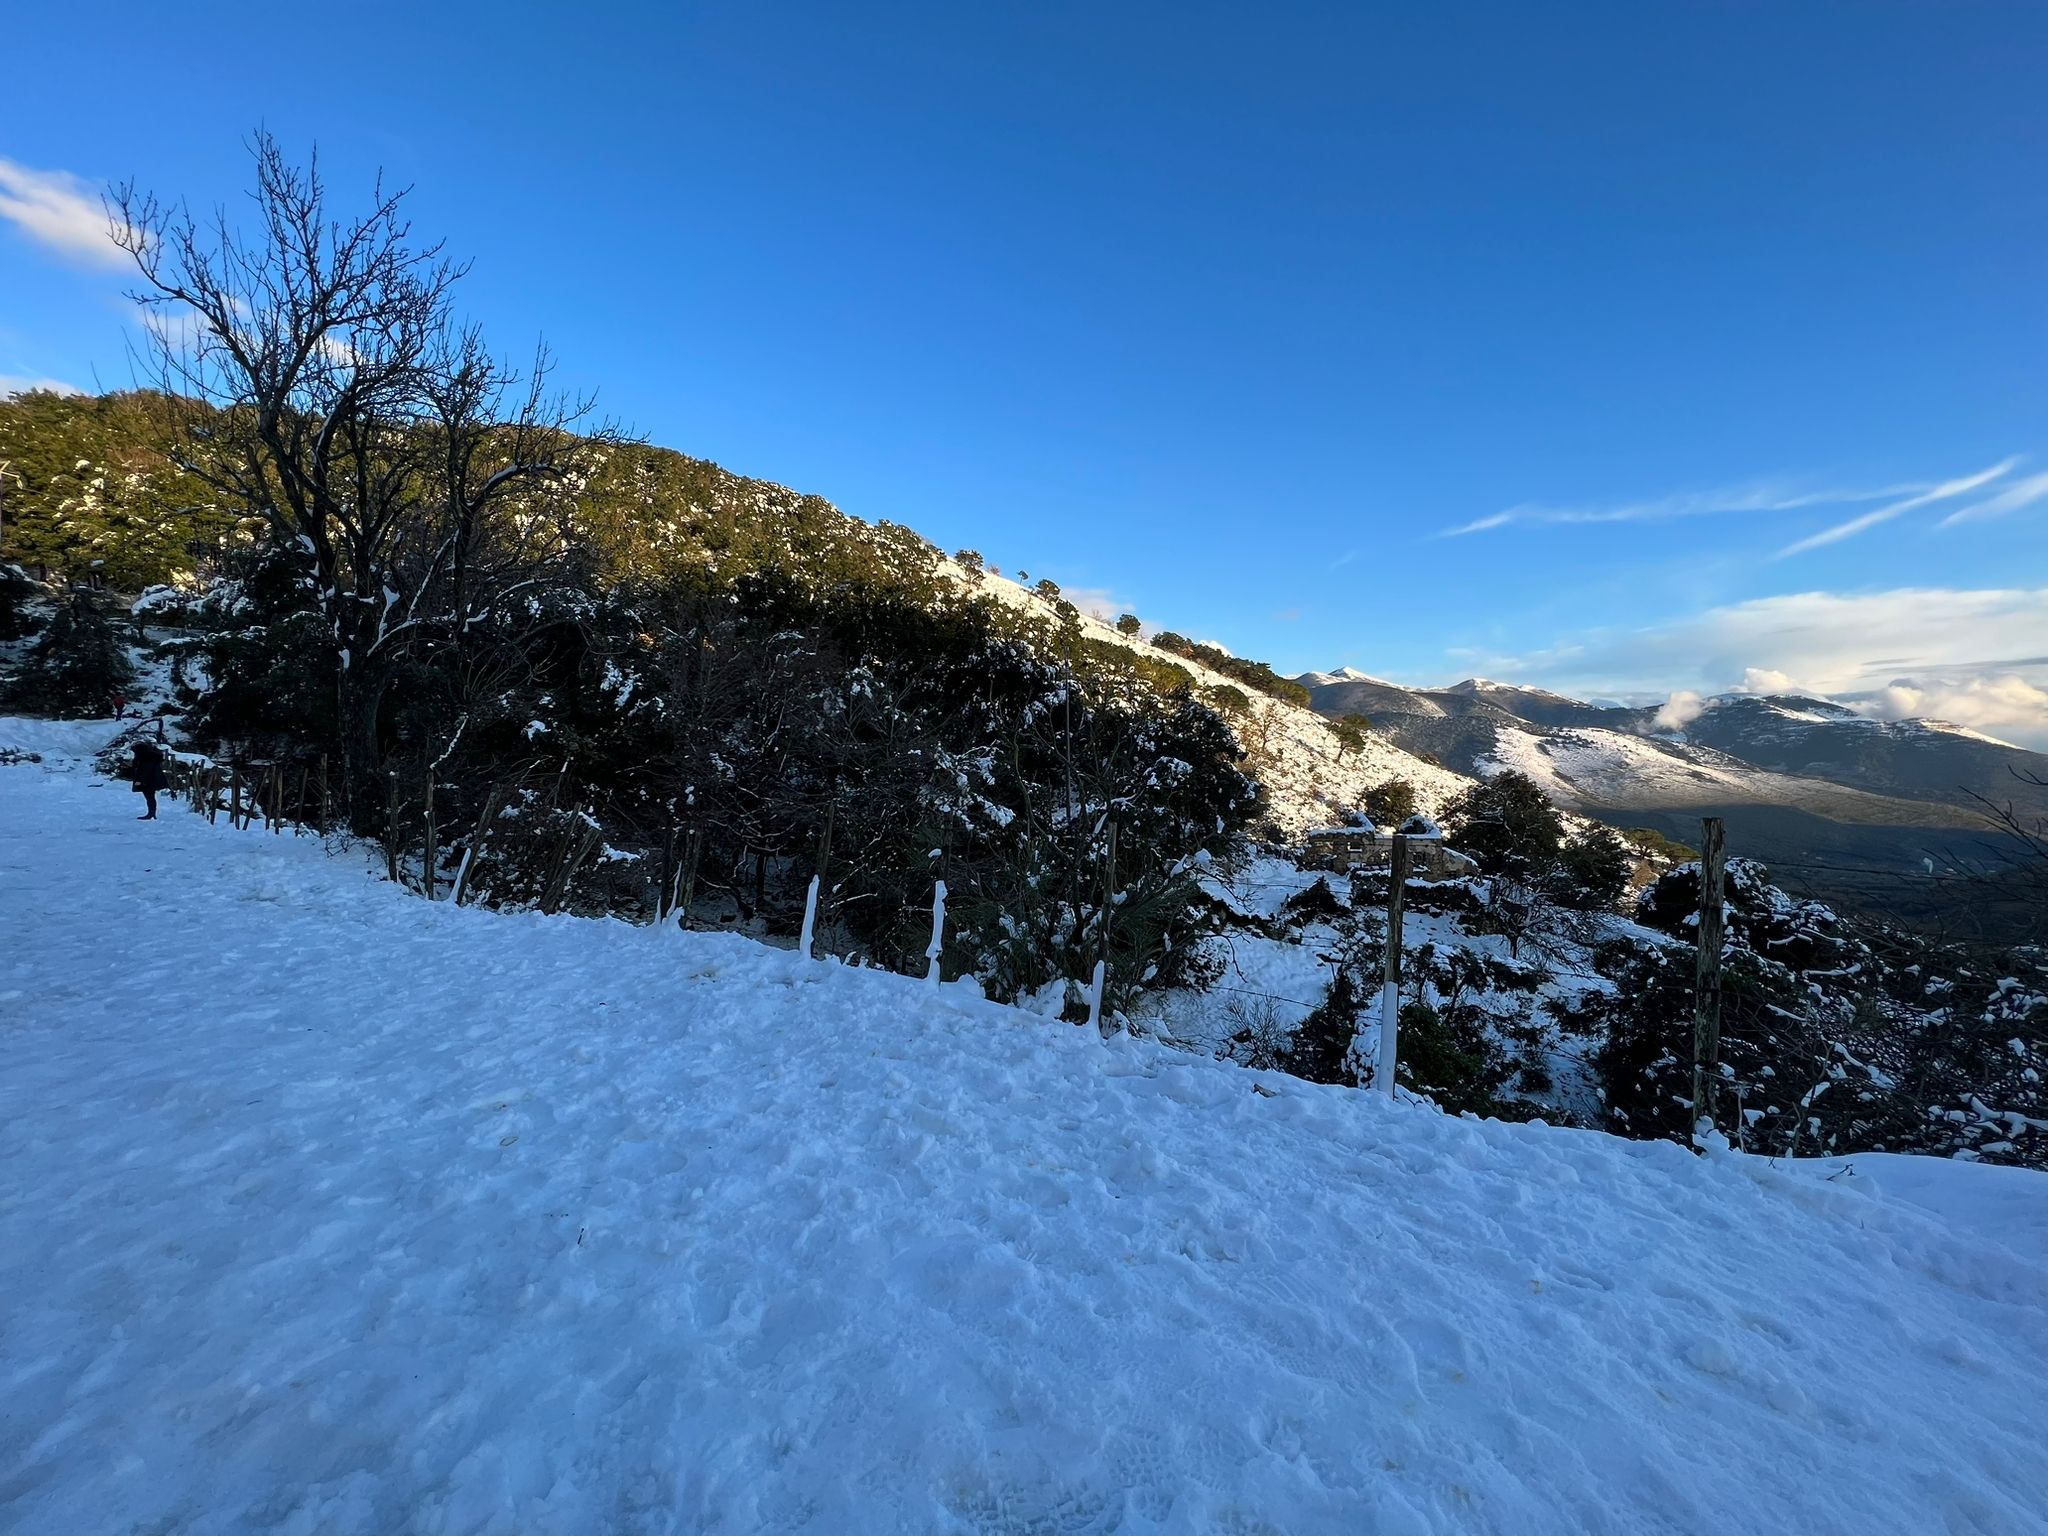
[2022,871]
[320,380]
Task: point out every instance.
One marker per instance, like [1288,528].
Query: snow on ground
[329,1210]
[1267,984]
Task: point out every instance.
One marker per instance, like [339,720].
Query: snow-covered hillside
[1308,774]
[330,1210]
[1588,769]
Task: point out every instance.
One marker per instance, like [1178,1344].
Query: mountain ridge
[1864,805]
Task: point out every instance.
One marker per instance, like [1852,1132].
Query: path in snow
[323,1209]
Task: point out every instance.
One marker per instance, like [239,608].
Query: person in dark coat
[149,776]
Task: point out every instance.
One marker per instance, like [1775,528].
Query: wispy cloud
[1757,496]
[2021,493]
[1751,498]
[1948,490]
[60,211]
[1841,531]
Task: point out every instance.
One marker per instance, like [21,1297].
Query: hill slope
[644,515]
[1309,774]
[332,1210]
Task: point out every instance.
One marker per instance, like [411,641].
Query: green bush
[1508,825]
[15,591]
[1593,870]
[1391,803]
[75,669]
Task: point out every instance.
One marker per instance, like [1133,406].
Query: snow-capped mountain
[1796,778]
[1780,749]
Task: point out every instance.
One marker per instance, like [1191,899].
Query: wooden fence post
[391,823]
[432,851]
[1706,1008]
[578,839]
[486,818]
[825,852]
[807,938]
[938,944]
[665,881]
[323,794]
[1390,989]
[1101,981]
[688,886]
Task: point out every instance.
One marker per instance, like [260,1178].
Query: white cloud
[1767,680]
[61,211]
[2021,493]
[1948,490]
[1975,656]
[2005,705]
[1680,710]
[21,384]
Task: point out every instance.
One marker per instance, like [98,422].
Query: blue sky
[1703,321]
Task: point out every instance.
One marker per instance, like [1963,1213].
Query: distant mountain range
[1803,781]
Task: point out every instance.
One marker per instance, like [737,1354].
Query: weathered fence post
[938,943]
[582,835]
[803,942]
[1706,1008]
[1390,989]
[665,880]
[692,856]
[487,817]
[811,897]
[432,839]
[1101,980]
[391,822]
